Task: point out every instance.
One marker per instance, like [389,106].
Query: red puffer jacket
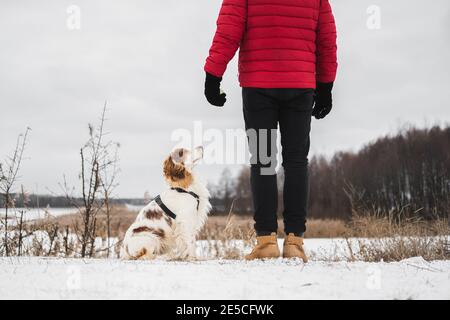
[283,43]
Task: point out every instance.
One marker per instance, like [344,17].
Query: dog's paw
[191,258]
[182,257]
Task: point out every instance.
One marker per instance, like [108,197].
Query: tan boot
[266,248]
[293,248]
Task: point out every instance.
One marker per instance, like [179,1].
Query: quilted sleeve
[326,48]
[231,26]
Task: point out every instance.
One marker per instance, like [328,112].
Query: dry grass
[238,227]
[221,234]
[384,238]
[392,239]
[371,226]
[121,219]
[233,226]
[399,248]
[317,228]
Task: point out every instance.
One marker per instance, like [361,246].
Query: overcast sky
[146,58]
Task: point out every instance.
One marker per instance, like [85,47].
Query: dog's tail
[142,245]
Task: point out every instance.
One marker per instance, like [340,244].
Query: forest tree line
[406,174]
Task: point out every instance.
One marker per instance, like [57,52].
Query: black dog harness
[169,212]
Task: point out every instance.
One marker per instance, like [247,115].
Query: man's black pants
[264,109]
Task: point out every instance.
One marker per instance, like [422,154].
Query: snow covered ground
[35,213]
[41,278]
[41,213]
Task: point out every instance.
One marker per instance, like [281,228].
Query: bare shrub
[9,174]
[97,181]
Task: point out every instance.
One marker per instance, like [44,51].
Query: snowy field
[42,278]
[35,213]
[41,213]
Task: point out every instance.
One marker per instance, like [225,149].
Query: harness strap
[169,212]
[188,192]
[164,207]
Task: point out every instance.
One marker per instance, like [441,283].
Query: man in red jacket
[287,66]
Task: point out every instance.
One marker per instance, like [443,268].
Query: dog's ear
[178,155]
[173,171]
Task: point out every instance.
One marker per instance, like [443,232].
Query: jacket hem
[278,85]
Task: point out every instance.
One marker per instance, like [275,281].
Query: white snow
[35,213]
[44,278]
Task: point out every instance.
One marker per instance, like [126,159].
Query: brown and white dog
[156,233]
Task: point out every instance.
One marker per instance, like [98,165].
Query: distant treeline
[406,174]
[42,201]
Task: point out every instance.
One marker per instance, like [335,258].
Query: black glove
[323,100]
[212,90]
